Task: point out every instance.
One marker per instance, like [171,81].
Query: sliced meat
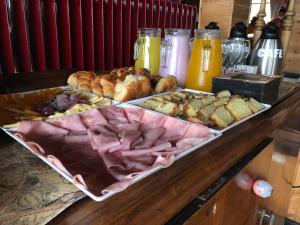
[98,129]
[137,141]
[113,113]
[77,139]
[175,129]
[156,148]
[127,138]
[134,114]
[197,130]
[152,120]
[190,141]
[103,142]
[134,126]
[40,127]
[150,137]
[73,123]
[92,118]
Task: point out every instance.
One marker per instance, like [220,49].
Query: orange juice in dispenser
[205,60]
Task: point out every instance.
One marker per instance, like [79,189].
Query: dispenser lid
[239,31]
[212,26]
[270,31]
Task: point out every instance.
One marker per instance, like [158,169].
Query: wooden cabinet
[279,164]
[233,204]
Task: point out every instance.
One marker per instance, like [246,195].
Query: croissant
[166,84]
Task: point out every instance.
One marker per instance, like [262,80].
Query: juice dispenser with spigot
[205,60]
[147,49]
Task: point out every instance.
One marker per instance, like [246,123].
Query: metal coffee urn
[268,53]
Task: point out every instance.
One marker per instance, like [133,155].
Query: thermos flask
[267,54]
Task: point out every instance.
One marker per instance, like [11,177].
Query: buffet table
[158,198]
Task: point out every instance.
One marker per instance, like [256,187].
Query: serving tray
[142,175]
[140,102]
[15,112]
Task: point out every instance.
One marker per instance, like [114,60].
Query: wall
[225,12]
[292,62]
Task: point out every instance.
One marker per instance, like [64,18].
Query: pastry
[238,108]
[108,83]
[222,117]
[166,84]
[126,90]
[254,105]
[72,80]
[96,85]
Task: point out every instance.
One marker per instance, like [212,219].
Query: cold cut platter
[103,151]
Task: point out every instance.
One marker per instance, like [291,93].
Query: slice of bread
[208,99]
[201,119]
[221,101]
[254,105]
[224,93]
[151,104]
[208,110]
[192,108]
[222,117]
[181,95]
[169,108]
[238,108]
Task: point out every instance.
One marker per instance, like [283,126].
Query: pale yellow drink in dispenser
[205,60]
[147,50]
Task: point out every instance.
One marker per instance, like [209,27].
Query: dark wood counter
[156,199]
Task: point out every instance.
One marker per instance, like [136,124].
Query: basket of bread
[46,103]
[122,84]
[220,111]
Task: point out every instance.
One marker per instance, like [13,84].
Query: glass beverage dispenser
[174,57]
[147,50]
[205,61]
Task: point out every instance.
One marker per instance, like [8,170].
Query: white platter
[11,132]
[140,102]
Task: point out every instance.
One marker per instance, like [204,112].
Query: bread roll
[72,80]
[108,84]
[144,86]
[96,85]
[142,72]
[126,90]
[166,84]
[121,73]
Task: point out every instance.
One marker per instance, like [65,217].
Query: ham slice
[98,129]
[175,129]
[113,113]
[156,148]
[77,139]
[134,114]
[40,127]
[190,141]
[134,126]
[92,118]
[103,142]
[72,123]
[150,137]
[127,138]
[197,130]
[152,120]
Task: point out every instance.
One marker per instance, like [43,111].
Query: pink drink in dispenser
[174,57]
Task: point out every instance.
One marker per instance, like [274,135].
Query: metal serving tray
[146,173]
[140,102]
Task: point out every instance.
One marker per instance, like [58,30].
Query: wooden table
[156,199]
